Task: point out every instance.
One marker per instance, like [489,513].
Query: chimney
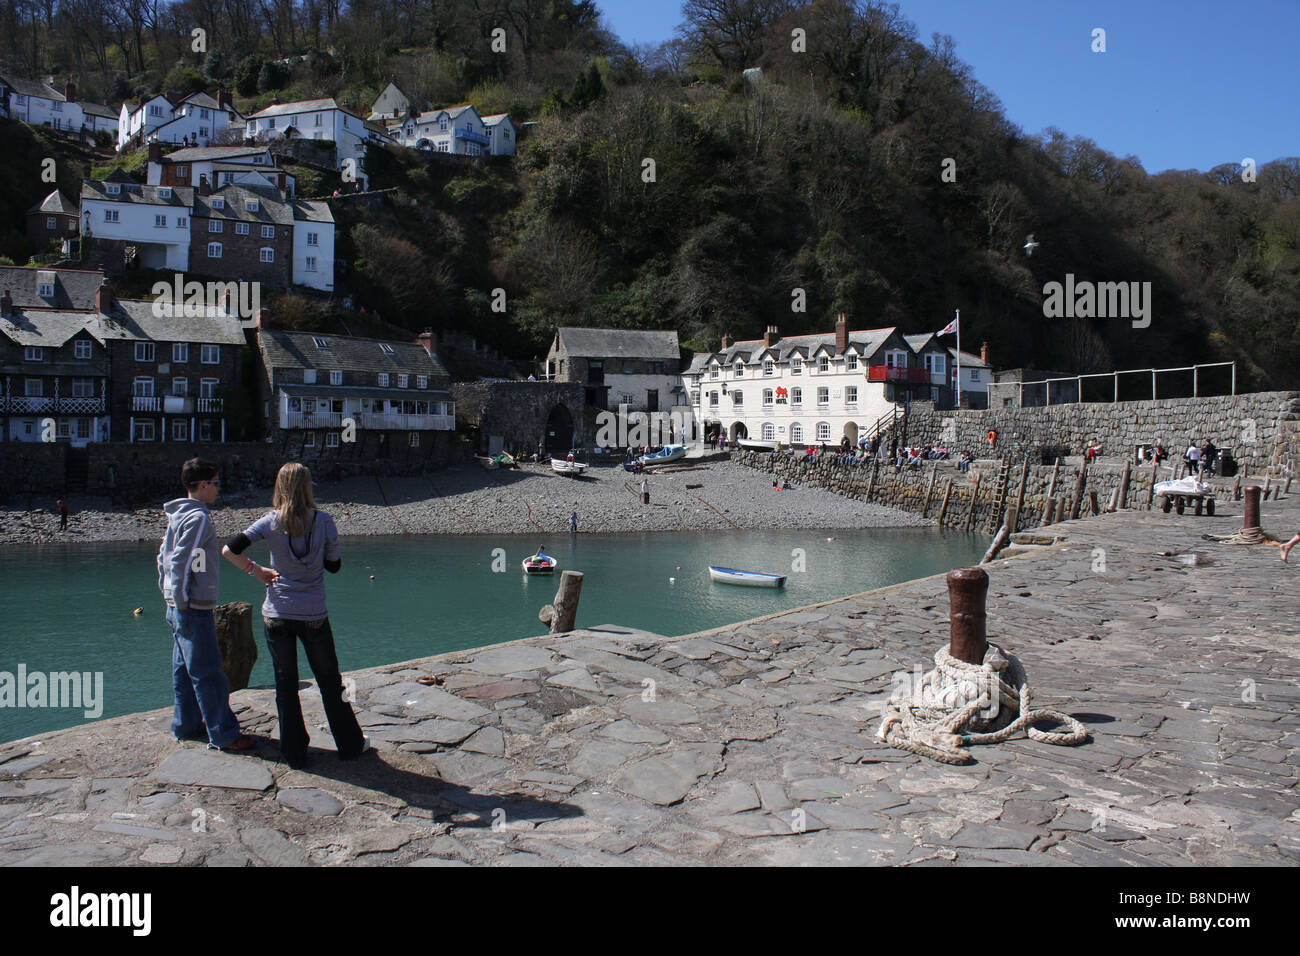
[727,341]
[771,336]
[223,98]
[104,298]
[841,334]
[227,297]
[155,152]
[6,303]
[984,353]
[429,340]
[70,92]
[205,188]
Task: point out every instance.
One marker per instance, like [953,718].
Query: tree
[246,75]
[272,76]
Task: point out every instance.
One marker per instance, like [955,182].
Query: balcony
[397,421]
[469,136]
[146,403]
[211,406]
[311,420]
[898,374]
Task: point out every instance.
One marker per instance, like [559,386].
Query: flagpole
[958,312]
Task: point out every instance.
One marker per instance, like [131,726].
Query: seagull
[1030,244]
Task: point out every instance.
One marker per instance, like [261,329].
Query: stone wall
[922,490]
[516,411]
[1262,429]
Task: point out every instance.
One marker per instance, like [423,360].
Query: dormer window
[113,189]
[251,205]
[796,365]
[851,363]
[383,379]
[768,366]
[823,363]
[218,203]
[738,370]
[320,343]
[713,371]
[164,192]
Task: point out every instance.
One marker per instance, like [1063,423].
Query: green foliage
[246,75]
[184,79]
[272,76]
[217,66]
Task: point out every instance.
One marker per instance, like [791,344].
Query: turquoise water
[69,608]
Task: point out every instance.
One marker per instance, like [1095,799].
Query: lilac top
[299,593]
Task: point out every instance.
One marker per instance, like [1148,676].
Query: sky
[1182,84]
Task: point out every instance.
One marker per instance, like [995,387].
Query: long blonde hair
[292,502]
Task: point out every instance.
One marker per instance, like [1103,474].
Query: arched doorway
[851,432]
[738,430]
[559,430]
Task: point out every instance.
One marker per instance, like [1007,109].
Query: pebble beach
[466,499]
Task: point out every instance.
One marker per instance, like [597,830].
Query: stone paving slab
[756,745]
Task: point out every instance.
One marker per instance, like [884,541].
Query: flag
[948,329]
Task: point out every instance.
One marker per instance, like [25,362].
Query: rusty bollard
[968,590]
[1250,518]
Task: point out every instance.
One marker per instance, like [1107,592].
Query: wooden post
[925,509]
[1236,488]
[1020,498]
[999,540]
[1113,501]
[1268,485]
[975,492]
[564,612]
[968,590]
[1062,504]
[1250,516]
[1151,488]
[1078,491]
[943,508]
[1092,501]
[1049,513]
[871,484]
[1051,485]
[1123,485]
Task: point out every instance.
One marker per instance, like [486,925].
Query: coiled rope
[953,707]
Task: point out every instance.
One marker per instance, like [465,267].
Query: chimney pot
[984,353]
[429,340]
[771,336]
[841,334]
[727,341]
[104,298]
[205,188]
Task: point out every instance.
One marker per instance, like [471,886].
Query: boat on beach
[749,579]
[569,465]
[754,444]
[487,463]
[539,563]
[664,455]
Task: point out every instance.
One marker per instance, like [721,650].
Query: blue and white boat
[749,579]
[664,455]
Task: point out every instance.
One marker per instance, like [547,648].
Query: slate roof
[182,196]
[310,210]
[97,109]
[73,288]
[47,329]
[132,320]
[303,106]
[298,350]
[617,343]
[56,204]
[866,341]
[203,154]
[25,87]
[968,360]
[495,118]
[270,207]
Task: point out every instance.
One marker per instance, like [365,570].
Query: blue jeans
[201,688]
[282,636]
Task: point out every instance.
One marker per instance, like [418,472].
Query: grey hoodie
[189,558]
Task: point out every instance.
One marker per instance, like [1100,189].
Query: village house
[391,104]
[320,119]
[171,117]
[337,395]
[934,357]
[53,219]
[502,132]
[118,371]
[220,165]
[807,388]
[976,373]
[153,221]
[40,104]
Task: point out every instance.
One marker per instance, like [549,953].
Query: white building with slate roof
[153,219]
[805,389]
[632,370]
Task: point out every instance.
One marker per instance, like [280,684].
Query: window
[83,388]
[81,349]
[270,123]
[796,365]
[317,122]
[83,427]
[935,363]
[241,228]
[208,387]
[311,263]
[713,371]
[737,397]
[251,205]
[768,366]
[823,396]
[896,359]
[695,396]
[182,172]
[56,106]
[155,110]
[267,254]
[796,432]
[320,343]
[144,352]
[205,429]
[401,381]
[738,371]
[160,222]
[974,375]
[421,381]
[214,250]
[796,396]
[180,387]
[211,354]
[383,379]
[218,202]
[180,352]
[216,225]
[331,439]
[851,395]
[313,239]
[823,431]
[143,431]
[309,376]
[164,192]
[823,363]
[142,386]
[851,363]
[336,377]
[713,399]
[35,388]
[767,397]
[180,429]
[32,353]
[203,114]
[385,348]
[110,215]
[51,223]
[769,431]
[268,232]
[309,440]
[415,439]
[181,222]
[113,189]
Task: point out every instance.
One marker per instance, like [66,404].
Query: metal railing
[1078,381]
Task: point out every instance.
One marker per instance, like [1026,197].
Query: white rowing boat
[563,467]
[750,579]
[755,444]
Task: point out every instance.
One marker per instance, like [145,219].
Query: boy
[188,563]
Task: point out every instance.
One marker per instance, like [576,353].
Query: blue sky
[1183,84]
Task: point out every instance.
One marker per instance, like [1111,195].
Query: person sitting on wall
[963,463]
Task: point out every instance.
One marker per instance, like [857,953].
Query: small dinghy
[487,463]
[562,466]
[539,563]
[750,579]
[755,444]
[664,455]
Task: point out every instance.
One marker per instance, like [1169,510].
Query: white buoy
[372,577]
[672,580]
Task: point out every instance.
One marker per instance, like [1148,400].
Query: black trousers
[317,638]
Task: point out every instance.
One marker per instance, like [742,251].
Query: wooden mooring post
[929,491]
[943,508]
[975,493]
[1078,491]
[564,612]
[871,484]
[1123,486]
[1020,496]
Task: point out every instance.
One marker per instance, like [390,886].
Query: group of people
[303,545]
[1201,459]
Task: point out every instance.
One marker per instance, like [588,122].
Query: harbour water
[70,608]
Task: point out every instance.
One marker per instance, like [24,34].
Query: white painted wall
[160,247]
[42,112]
[323,251]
